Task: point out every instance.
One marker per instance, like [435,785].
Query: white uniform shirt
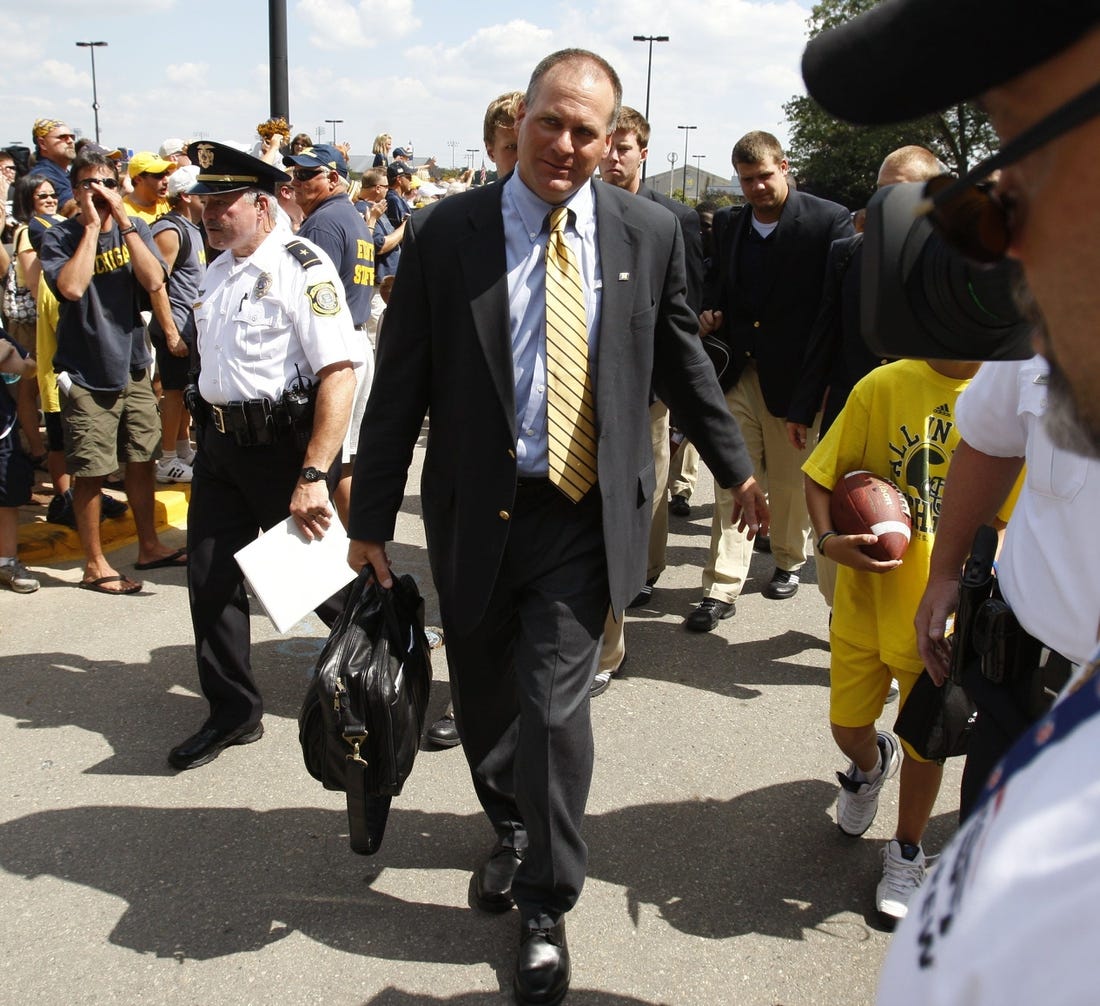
[1047,569]
[266,319]
[1011,911]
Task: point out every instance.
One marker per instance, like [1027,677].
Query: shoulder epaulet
[302,252]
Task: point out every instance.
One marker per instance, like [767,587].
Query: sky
[421,70]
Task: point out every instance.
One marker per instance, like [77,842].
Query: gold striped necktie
[570,404]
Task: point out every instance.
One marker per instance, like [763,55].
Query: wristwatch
[313,475]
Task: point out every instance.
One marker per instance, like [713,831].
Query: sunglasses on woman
[968,213]
[45,196]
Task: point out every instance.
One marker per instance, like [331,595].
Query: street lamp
[648,74]
[91,47]
[687,133]
[697,158]
[334,123]
[671,171]
[470,152]
[452,144]
[320,132]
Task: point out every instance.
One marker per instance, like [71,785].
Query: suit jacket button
[511,454]
[756,324]
[504,515]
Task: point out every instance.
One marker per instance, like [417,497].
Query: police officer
[277,354]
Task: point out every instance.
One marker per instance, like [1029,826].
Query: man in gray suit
[526,569]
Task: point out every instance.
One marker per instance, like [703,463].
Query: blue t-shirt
[60,178]
[101,337]
[342,234]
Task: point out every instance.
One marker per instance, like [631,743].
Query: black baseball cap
[226,169]
[906,58]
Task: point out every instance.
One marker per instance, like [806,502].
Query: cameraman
[1011,911]
[1052,533]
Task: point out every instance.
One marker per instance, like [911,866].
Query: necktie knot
[559,216]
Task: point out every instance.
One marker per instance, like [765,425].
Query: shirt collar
[533,211]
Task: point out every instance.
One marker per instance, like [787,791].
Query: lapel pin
[623,277]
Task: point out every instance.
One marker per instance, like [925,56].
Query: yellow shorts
[858,683]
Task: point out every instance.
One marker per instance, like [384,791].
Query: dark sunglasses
[305,174]
[107,183]
[967,212]
[158,175]
[45,195]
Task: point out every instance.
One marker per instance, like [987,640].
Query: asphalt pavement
[716,874]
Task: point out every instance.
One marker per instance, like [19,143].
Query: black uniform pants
[235,492]
[520,683]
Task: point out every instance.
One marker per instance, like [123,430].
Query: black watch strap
[313,475]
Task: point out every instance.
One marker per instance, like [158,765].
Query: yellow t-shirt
[133,210]
[46,346]
[899,423]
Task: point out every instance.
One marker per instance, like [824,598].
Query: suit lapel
[485,272]
[618,258]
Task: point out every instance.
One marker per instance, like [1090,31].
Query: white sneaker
[894,692]
[857,804]
[903,871]
[173,470]
[15,575]
[186,455]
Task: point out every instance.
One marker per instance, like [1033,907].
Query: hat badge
[206,155]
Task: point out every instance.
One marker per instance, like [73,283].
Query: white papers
[289,575]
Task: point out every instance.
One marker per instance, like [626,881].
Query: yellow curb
[41,543]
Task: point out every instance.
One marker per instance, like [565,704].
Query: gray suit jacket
[447,351]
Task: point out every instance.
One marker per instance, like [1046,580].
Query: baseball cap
[223,168]
[400,152]
[398,168]
[323,155]
[172,146]
[146,161]
[906,58]
[182,180]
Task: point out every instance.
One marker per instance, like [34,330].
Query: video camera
[921,298]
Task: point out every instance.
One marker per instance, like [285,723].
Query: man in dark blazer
[836,354]
[524,574]
[622,167]
[767,280]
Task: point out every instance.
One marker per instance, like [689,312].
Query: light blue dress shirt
[526,231]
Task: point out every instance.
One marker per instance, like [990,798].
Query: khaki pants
[614,641]
[684,470]
[778,466]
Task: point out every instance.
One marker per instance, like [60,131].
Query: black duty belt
[254,422]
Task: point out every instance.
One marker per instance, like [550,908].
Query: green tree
[840,161]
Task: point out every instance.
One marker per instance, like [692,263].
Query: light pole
[320,132]
[697,158]
[334,123]
[648,74]
[671,171]
[470,152]
[687,132]
[452,144]
[91,47]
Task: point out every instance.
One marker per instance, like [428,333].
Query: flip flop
[97,585]
[167,561]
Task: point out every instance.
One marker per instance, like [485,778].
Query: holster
[975,587]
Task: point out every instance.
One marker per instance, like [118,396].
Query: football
[862,503]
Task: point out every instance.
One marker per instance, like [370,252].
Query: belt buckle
[219,417]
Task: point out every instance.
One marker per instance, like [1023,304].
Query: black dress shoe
[784,584]
[443,732]
[678,506]
[542,967]
[209,742]
[493,881]
[708,614]
[762,543]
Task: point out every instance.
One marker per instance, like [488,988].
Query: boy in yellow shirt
[899,424]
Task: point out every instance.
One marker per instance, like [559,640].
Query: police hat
[225,169]
[321,156]
[906,58]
